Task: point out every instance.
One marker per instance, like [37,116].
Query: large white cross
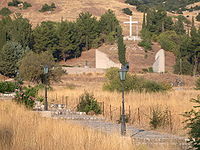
[131,23]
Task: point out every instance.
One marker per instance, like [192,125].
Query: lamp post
[122,75]
[46,70]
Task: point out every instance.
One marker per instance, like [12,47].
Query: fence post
[66,102]
[170,121]
[129,112]
[138,115]
[120,111]
[103,109]
[110,112]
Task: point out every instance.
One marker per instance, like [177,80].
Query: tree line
[169,5]
[63,40]
[180,37]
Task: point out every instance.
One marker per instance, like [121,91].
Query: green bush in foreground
[132,83]
[193,123]
[88,104]
[8,87]
[27,96]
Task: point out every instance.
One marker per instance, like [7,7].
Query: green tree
[68,40]
[45,37]
[32,64]
[121,50]
[108,23]
[193,123]
[10,54]
[179,27]
[195,48]
[88,29]
[109,26]
[20,31]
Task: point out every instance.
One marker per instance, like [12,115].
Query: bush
[132,83]
[47,7]
[159,118]
[8,87]
[169,41]
[198,17]
[26,5]
[14,3]
[197,84]
[5,11]
[88,104]
[146,44]
[27,96]
[127,11]
[193,123]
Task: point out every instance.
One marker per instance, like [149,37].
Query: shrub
[5,11]
[8,87]
[159,118]
[127,11]
[193,123]
[27,96]
[197,84]
[47,7]
[26,5]
[198,17]
[132,83]
[152,86]
[146,44]
[88,104]
[14,3]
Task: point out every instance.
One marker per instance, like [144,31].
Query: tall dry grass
[21,129]
[138,105]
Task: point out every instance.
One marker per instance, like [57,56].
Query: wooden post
[120,111]
[110,112]
[129,111]
[66,102]
[170,121]
[138,115]
[103,109]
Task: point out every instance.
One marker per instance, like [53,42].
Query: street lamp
[122,75]
[46,70]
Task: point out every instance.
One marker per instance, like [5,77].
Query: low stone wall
[79,70]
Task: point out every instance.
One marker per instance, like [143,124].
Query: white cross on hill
[131,22]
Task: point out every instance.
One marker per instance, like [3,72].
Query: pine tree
[179,27]
[10,54]
[68,40]
[45,37]
[88,29]
[195,47]
[108,23]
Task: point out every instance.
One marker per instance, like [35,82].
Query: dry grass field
[138,105]
[22,129]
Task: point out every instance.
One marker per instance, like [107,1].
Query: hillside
[69,10]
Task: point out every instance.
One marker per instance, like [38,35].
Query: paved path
[139,136]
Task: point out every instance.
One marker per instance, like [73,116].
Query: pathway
[139,136]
